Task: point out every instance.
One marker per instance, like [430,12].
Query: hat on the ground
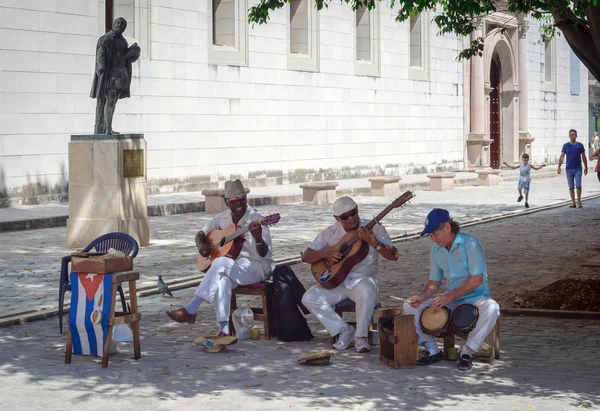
[343,205]
[235,189]
[214,343]
[317,357]
[434,219]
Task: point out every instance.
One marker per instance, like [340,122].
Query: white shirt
[367,267]
[224,219]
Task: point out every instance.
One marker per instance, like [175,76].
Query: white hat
[343,205]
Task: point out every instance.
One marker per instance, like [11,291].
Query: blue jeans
[574,179]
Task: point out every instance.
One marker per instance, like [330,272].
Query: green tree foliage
[578,21]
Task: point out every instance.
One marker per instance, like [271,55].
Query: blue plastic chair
[119,241]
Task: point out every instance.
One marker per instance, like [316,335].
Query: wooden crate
[398,349]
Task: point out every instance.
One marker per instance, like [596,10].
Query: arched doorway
[495,124]
[502,109]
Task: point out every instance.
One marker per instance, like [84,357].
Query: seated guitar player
[359,286]
[254,265]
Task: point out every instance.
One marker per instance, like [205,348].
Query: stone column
[477,91]
[525,138]
[478,143]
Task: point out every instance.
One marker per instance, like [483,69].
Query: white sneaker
[362,344]
[345,338]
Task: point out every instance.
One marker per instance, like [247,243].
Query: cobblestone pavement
[546,364]
[30,260]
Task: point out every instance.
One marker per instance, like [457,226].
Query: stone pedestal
[321,192]
[107,188]
[525,141]
[214,202]
[478,152]
[488,177]
[441,181]
[385,186]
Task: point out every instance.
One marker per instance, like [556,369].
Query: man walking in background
[575,153]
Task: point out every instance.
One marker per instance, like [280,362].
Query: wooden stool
[398,348]
[265,290]
[349,306]
[132,317]
[492,346]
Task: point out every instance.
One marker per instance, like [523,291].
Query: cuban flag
[89,312]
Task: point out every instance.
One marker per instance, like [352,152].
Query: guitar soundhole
[222,242]
[344,250]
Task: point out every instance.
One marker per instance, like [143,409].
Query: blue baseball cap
[434,219]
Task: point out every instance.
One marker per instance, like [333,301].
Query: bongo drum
[436,321]
[464,318]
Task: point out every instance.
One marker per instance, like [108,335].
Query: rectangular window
[548,60]
[223,22]
[366,60]
[228,33]
[303,32]
[549,66]
[416,59]
[418,48]
[363,34]
[125,9]
[575,71]
[137,15]
[299,26]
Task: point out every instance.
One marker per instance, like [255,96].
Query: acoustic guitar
[352,249]
[229,241]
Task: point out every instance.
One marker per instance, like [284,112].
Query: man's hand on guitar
[205,249]
[368,237]
[256,231]
[333,256]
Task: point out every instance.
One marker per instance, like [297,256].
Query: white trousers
[320,301]
[223,276]
[489,311]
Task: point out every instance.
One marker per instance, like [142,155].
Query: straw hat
[214,343]
[321,357]
[234,189]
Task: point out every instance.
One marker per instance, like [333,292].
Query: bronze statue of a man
[112,77]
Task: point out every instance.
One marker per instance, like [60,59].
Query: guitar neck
[379,217]
[236,234]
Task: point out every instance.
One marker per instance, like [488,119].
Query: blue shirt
[573,152]
[465,258]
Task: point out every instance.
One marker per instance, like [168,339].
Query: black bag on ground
[290,324]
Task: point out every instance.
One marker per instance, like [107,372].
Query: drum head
[464,316]
[434,320]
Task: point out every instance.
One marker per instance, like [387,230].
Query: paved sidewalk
[546,364]
[30,260]
[277,194]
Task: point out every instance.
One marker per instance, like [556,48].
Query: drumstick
[404,300]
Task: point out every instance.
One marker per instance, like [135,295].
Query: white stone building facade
[310,95]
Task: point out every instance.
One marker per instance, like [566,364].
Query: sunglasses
[349,214]
[234,199]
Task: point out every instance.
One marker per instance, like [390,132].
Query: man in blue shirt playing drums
[460,260]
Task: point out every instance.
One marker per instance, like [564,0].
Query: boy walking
[524,177]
